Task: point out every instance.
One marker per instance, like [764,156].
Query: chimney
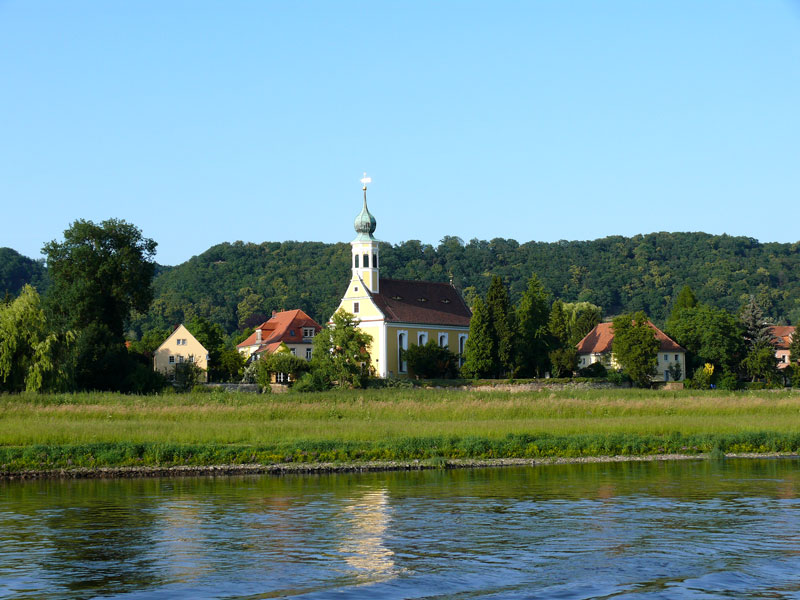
[274,312]
[258,335]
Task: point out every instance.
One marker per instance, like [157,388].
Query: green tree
[757,332]
[501,326]
[149,342]
[100,273]
[684,299]
[431,361]
[761,363]
[558,324]
[794,347]
[340,352]
[635,347]
[480,346]
[710,335]
[32,356]
[581,317]
[564,361]
[533,314]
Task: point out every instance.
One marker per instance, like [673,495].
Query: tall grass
[112,429]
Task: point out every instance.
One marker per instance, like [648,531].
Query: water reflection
[365,523]
[683,529]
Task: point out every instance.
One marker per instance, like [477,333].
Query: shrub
[593,370]
[431,361]
[185,376]
[618,378]
[314,381]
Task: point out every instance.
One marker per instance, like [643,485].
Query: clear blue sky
[204,122]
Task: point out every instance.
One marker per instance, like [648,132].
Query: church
[397,313]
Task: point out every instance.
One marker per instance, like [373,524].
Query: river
[681,529]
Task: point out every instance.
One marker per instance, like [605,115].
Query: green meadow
[104,429]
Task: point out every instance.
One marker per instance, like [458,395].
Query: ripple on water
[688,529]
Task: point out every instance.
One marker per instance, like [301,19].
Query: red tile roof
[286,326]
[783,336]
[600,339]
[422,302]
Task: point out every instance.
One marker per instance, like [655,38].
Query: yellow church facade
[399,313]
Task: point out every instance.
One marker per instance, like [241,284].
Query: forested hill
[16,270]
[229,282]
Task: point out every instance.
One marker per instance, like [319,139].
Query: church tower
[365,246]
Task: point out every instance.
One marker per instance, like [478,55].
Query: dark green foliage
[431,361]
[617,273]
[761,363]
[593,370]
[685,299]
[583,316]
[286,363]
[185,376]
[17,270]
[480,346]
[315,381]
[150,342]
[757,332]
[635,347]
[794,347]
[710,335]
[340,353]
[501,328]
[100,273]
[533,339]
[563,360]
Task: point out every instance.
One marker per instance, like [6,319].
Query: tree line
[237,284]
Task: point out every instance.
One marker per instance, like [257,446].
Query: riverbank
[357,467]
[399,428]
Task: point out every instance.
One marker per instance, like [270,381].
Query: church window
[402,346]
[355,307]
[462,341]
[356,261]
[442,340]
[422,338]
[375,261]
[366,261]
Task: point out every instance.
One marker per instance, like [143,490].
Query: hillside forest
[236,284]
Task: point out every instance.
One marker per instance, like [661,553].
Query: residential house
[395,312]
[181,346]
[782,339]
[597,346]
[292,328]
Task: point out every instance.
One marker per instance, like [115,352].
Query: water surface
[684,529]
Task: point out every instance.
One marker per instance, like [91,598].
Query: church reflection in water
[365,523]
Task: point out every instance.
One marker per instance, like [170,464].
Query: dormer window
[422,299]
[445,300]
[397,297]
[291,332]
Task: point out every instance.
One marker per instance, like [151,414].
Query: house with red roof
[597,346]
[399,313]
[291,328]
[782,339]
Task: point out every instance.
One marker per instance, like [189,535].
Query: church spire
[365,223]
[365,246]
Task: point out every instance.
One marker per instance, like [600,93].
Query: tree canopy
[635,347]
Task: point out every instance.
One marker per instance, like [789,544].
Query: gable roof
[286,326]
[600,340]
[423,302]
[783,336]
[181,329]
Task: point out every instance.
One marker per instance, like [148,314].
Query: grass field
[49,431]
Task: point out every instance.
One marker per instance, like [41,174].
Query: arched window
[355,258]
[375,261]
[366,261]
[402,344]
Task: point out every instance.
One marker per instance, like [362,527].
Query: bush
[431,361]
[314,381]
[593,370]
[186,376]
[728,381]
[618,378]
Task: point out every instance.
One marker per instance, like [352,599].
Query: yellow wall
[609,361]
[383,350]
[191,351]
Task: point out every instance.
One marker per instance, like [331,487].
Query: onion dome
[365,223]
